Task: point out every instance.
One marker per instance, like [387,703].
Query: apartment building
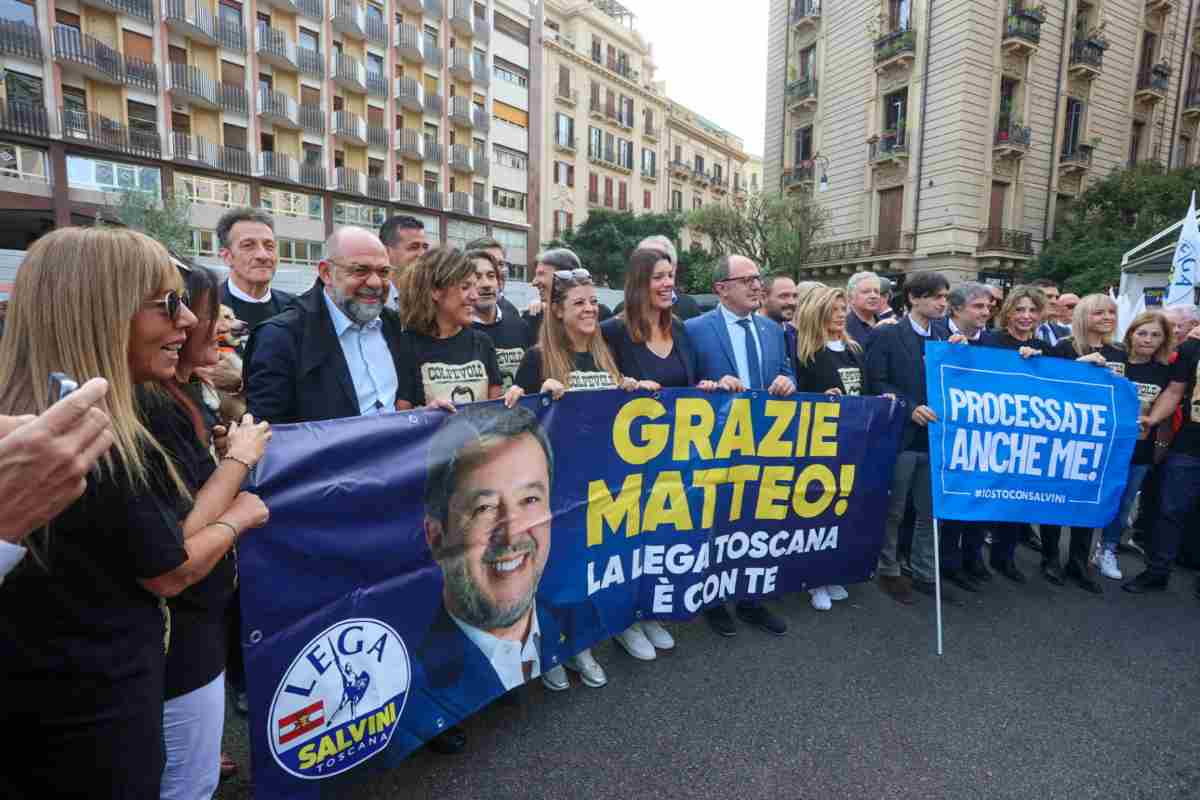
[754,173]
[951,135]
[323,112]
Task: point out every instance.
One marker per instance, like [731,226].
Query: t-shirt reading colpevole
[460,368]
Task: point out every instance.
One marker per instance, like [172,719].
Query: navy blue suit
[714,348]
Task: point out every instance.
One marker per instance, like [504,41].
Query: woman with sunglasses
[181,414]
[84,636]
[570,356]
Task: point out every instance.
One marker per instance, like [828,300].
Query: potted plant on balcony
[1162,69]
[1095,36]
[1035,12]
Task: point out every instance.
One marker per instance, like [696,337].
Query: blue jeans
[1112,532]
[1180,493]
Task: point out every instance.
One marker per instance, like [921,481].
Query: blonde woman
[84,635]
[830,362]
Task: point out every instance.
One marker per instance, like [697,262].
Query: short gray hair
[859,277]
[559,258]
[235,215]
[965,293]
[720,271]
[1187,312]
[662,244]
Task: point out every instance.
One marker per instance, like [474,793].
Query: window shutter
[570,175]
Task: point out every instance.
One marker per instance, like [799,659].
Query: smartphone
[60,386]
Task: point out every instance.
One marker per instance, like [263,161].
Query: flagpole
[937,580]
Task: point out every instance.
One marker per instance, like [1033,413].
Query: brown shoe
[898,587]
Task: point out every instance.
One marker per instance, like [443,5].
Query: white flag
[1181,289]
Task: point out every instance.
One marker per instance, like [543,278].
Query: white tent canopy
[1148,266]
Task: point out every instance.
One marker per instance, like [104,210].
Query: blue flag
[1039,440]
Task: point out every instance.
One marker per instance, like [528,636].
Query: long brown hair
[812,321]
[438,268]
[557,354]
[639,313]
[1163,354]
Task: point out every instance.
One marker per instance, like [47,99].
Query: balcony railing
[481,120]
[1087,54]
[17,117]
[894,44]
[649,173]
[379,188]
[799,175]
[311,62]
[349,180]
[313,9]
[411,94]
[460,111]
[1078,157]
[891,144]
[1021,26]
[91,55]
[1010,132]
[564,142]
[350,126]
[410,143]
[462,203]
[462,17]
[140,73]
[276,48]
[435,199]
[191,84]
[1155,80]
[1008,241]
[460,64]
[845,250]
[190,19]
[433,103]
[411,42]
[892,242]
[349,72]
[801,91]
[100,131]
[483,167]
[136,8]
[409,192]
[312,175]
[198,150]
[312,119]
[231,34]
[805,11]
[462,158]
[20,39]
[376,30]
[349,17]
[279,109]
[480,73]
[651,132]
[567,95]
[377,85]
[377,136]
[232,97]
[1191,101]
[433,151]
[279,167]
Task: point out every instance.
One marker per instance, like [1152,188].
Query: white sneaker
[591,673]
[837,592]
[556,680]
[820,599]
[636,643]
[1108,565]
[657,635]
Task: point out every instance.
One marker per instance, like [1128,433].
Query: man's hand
[782,386]
[535,308]
[923,415]
[45,460]
[513,394]
[957,338]
[833,390]
[731,383]
[442,404]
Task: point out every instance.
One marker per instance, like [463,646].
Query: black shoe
[1052,572]
[1082,578]
[451,741]
[720,621]
[1146,582]
[1009,570]
[977,571]
[1137,546]
[927,588]
[961,579]
[1032,540]
[761,617]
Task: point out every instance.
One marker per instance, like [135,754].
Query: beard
[359,313]
[472,606]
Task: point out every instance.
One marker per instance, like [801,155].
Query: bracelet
[248,467]
[227,525]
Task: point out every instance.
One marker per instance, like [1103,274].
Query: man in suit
[779,303]
[741,350]
[491,245]
[333,354]
[865,293]
[247,239]
[1053,327]
[896,368]
[404,238]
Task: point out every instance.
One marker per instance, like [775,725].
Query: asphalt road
[1043,692]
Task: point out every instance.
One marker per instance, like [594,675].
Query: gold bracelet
[227,525]
[238,460]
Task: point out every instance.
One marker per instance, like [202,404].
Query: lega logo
[340,700]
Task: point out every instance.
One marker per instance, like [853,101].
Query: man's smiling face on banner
[495,540]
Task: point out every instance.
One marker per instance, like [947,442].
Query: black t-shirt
[511,338]
[586,375]
[1149,379]
[534,323]
[669,371]
[1186,370]
[1004,340]
[830,369]
[1115,357]
[460,368]
[80,638]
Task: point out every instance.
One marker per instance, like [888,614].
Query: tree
[1115,214]
[606,239]
[777,232]
[167,221]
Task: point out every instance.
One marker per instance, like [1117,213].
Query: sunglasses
[573,275]
[172,303]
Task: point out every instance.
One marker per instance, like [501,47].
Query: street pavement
[1043,692]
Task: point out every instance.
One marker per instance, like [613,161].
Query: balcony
[699,176]
[564,143]
[720,185]
[100,131]
[896,49]
[1012,139]
[1159,6]
[480,73]
[892,145]
[87,55]
[411,43]
[1002,240]
[483,122]
[560,39]
[349,18]
[620,67]
[411,6]
[312,120]
[377,85]
[231,35]
[379,188]
[1087,58]
[435,200]
[462,17]
[1153,84]
[483,31]
[1022,33]
[313,174]
[190,20]
[275,48]
[1191,104]
[462,158]
[20,40]
[190,84]
[313,9]
[290,6]
[349,180]
[596,108]
[278,167]
[892,243]
[377,137]
[566,95]
[651,133]
[349,73]
[410,193]
[276,108]
[135,8]
[1077,159]
[806,14]
[460,112]
[141,74]
[681,169]
[650,174]
[411,94]
[460,64]
[433,151]
[433,104]
[844,250]
[24,118]
[311,62]
[410,143]
[483,167]
[197,151]
[350,128]
[798,177]
[376,30]
[462,203]
[802,94]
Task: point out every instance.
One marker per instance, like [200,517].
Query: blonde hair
[1016,295]
[1079,318]
[1163,354]
[811,321]
[438,268]
[73,302]
[557,362]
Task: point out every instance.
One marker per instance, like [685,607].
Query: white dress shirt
[245,298]
[370,361]
[737,337]
[10,555]
[922,332]
[505,655]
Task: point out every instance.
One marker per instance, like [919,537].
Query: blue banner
[418,565]
[1039,440]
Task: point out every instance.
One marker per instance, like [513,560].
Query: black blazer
[896,365]
[632,358]
[295,370]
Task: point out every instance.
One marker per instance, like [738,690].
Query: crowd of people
[121,502]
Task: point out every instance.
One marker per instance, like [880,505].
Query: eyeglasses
[745,280]
[573,274]
[360,272]
[172,303]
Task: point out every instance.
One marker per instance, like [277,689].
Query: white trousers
[193,724]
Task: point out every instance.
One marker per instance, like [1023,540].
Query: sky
[713,56]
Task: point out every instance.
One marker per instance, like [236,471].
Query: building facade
[323,112]
[952,135]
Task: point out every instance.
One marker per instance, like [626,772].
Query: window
[646,199]
[359,214]
[803,145]
[564,173]
[212,191]
[375,18]
[25,163]
[608,192]
[235,137]
[1074,126]
[808,62]
[299,252]
[610,150]
[505,198]
[27,90]
[1008,97]
[375,168]
[230,13]
[649,161]
[375,64]
[679,153]
[564,80]
[1149,46]
[895,109]
[622,196]
[509,72]
[676,200]
[1135,142]
[595,142]
[511,28]
[513,159]
[312,154]
[310,40]
[593,188]
[204,243]
[717,175]
[292,204]
[625,153]
[111,176]
[563,221]
[699,164]
[898,15]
